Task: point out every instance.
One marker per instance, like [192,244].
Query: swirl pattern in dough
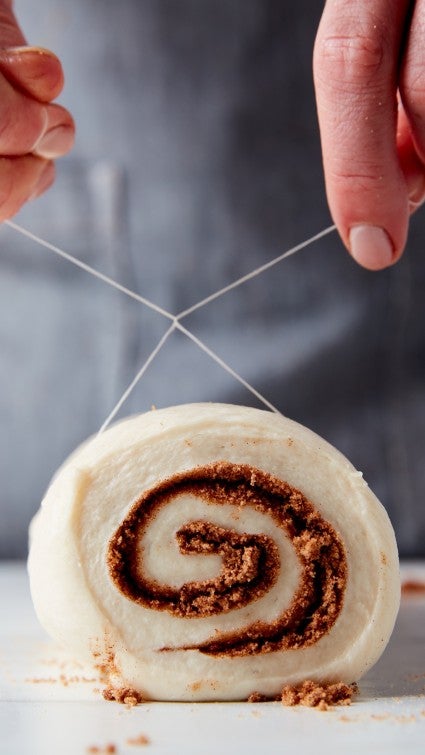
[250,562]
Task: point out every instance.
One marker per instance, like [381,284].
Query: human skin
[33,131]
[369,72]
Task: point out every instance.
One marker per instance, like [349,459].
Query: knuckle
[361,180]
[356,57]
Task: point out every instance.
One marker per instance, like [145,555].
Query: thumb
[33,70]
[22,119]
[30,78]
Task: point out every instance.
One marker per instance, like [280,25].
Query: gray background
[197,159]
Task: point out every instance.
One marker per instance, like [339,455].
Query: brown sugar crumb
[67,680]
[104,659]
[250,567]
[141,741]
[415,677]
[321,696]
[62,679]
[412,587]
[257,697]
[123,695]
[406,719]
[105,750]
[401,719]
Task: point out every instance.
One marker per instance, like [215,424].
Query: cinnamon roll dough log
[207,551]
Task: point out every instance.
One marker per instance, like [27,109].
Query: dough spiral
[250,562]
[212,551]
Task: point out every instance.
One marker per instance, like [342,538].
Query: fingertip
[55,143]
[35,70]
[58,136]
[371,247]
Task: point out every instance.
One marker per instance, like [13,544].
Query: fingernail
[46,179]
[25,49]
[371,246]
[55,142]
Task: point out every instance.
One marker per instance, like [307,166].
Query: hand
[33,132]
[369,69]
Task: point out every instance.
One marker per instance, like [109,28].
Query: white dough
[80,605]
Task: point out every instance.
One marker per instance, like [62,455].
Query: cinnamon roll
[210,551]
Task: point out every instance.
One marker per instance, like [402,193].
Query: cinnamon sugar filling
[250,562]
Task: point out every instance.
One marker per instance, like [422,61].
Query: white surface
[46,708]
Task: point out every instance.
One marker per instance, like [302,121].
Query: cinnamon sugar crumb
[258,697]
[141,741]
[124,695]
[321,696]
[401,719]
[62,679]
[104,659]
[412,587]
[415,677]
[106,750]
[67,680]
[406,719]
